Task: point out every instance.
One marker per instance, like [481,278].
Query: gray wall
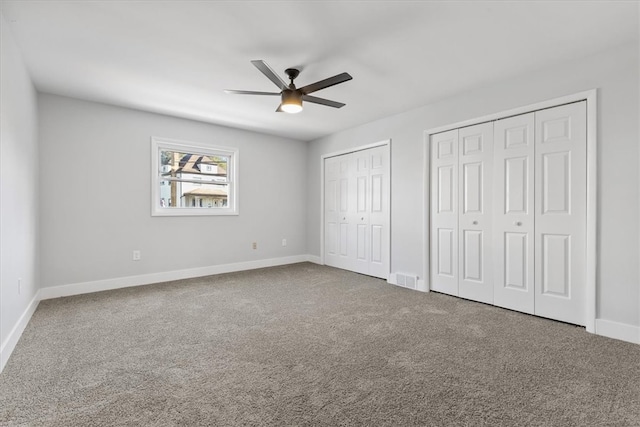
[18,188]
[614,73]
[95,179]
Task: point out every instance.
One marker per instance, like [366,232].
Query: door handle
[475,223]
[518,223]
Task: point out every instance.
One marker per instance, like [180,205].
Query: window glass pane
[177,194]
[193,166]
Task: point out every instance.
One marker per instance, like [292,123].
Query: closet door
[379,211]
[357,211]
[514,213]
[361,236]
[336,207]
[475,160]
[444,212]
[560,199]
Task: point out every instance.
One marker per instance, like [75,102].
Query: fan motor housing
[291,96]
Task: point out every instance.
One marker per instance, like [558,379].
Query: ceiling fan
[292,97]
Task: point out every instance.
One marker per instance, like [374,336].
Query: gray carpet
[309,345]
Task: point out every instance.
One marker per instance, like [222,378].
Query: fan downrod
[292,73]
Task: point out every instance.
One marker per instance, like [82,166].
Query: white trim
[592,211]
[314,259]
[354,149]
[426,213]
[592,183]
[567,99]
[619,331]
[12,339]
[323,157]
[166,276]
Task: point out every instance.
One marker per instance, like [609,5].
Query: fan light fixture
[290,96]
[291,101]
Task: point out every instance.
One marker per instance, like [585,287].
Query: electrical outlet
[255,245]
[136,255]
[19,286]
[284,242]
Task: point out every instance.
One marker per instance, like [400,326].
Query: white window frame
[162,144]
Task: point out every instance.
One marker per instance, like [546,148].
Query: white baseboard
[314,259]
[619,331]
[9,344]
[146,279]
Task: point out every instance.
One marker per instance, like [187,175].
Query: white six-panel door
[336,205]
[560,215]
[518,242]
[475,164]
[379,211]
[444,214]
[513,239]
[357,214]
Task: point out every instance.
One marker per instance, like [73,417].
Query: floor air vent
[406,280]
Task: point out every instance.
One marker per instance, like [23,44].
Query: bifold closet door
[475,160]
[560,215]
[356,195]
[444,212]
[540,212]
[379,210]
[336,210]
[514,218]
[461,212]
[508,212]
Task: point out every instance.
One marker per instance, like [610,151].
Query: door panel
[331,238]
[515,263]
[344,239]
[472,247]
[446,259]
[475,165]
[516,185]
[556,265]
[360,214]
[444,218]
[472,188]
[362,194]
[361,251]
[556,177]
[561,159]
[513,219]
[376,193]
[379,211]
[331,206]
[446,189]
[376,244]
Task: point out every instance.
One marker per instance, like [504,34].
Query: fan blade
[322,101]
[322,84]
[249,92]
[271,75]
[279,109]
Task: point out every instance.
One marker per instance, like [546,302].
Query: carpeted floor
[309,345]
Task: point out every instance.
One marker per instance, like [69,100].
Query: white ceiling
[177,57]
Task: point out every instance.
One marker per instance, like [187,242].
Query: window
[193,179]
